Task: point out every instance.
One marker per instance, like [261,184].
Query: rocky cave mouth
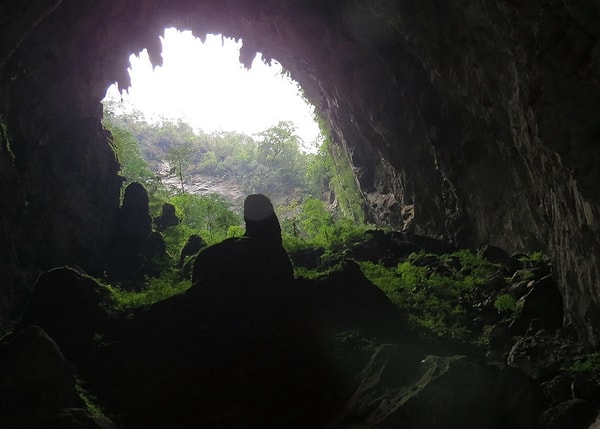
[204,84]
[471,125]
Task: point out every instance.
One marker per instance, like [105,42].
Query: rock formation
[253,262]
[475,122]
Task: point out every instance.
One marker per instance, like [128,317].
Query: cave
[473,122]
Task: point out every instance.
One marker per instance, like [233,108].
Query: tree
[134,167]
[278,141]
[179,158]
[315,220]
[209,214]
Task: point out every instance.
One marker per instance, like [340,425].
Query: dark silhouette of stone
[155,254]
[346,298]
[192,246]
[257,259]
[497,255]
[542,307]
[134,224]
[69,306]
[155,246]
[307,258]
[39,389]
[571,414]
[167,217]
[261,221]
[438,391]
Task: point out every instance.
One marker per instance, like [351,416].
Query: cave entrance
[201,131]
[202,83]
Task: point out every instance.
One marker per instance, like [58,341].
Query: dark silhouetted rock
[155,246]
[438,392]
[557,390]
[155,254]
[571,414]
[70,306]
[307,258]
[134,222]
[167,217]
[497,255]
[39,389]
[542,307]
[256,260]
[261,221]
[134,225]
[346,298]
[193,245]
[542,353]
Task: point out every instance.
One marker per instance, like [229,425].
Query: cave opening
[201,81]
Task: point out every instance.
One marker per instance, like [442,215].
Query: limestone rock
[450,392]
[39,390]
[167,217]
[70,306]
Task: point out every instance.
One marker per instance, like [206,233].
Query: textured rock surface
[472,121]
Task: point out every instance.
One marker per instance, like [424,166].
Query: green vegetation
[587,364]
[166,157]
[434,290]
[89,400]
[534,259]
[506,305]
[170,283]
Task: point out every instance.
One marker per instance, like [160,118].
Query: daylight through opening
[203,83]
[201,132]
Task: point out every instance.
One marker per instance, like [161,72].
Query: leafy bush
[506,305]
[534,259]
[433,290]
[167,285]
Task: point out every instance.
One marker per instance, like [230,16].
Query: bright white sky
[205,85]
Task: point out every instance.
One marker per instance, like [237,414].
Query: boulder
[435,392]
[133,226]
[192,246]
[571,414]
[167,217]
[542,307]
[256,260]
[39,390]
[70,306]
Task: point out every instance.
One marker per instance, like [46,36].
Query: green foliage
[587,364]
[316,221]
[534,259]
[209,216]
[134,167]
[167,285]
[432,289]
[312,225]
[235,231]
[89,400]
[506,305]
[179,158]
[316,273]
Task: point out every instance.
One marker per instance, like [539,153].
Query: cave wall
[472,121]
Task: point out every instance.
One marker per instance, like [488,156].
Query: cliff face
[473,121]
